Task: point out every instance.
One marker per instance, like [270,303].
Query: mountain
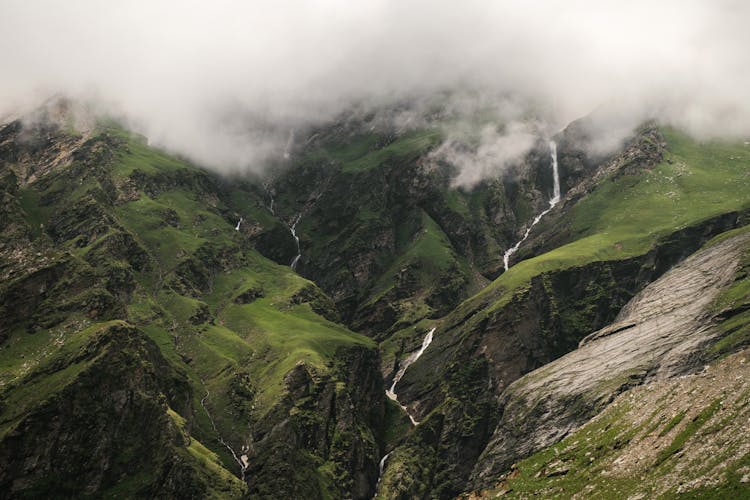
[167,331]
[149,350]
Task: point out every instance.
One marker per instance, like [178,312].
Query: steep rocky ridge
[663,332]
[76,426]
[257,376]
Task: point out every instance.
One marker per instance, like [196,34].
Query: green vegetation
[626,215]
[397,425]
[135,272]
[733,305]
[619,454]
[574,464]
[426,263]
[404,149]
[36,214]
[149,240]
[36,366]
[687,432]
[138,156]
[672,424]
[224,483]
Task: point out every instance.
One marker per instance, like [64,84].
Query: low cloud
[495,151]
[224,82]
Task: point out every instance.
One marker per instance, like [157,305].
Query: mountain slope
[384,232]
[671,328]
[136,286]
[100,229]
[609,243]
[680,437]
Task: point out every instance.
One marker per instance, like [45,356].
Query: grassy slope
[407,148]
[625,216]
[733,305]
[267,337]
[428,255]
[364,152]
[383,235]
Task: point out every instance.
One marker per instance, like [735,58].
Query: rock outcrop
[661,333]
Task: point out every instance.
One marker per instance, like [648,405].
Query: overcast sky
[179,69]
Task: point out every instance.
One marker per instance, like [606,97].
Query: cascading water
[288,147]
[293,229]
[267,189]
[237,227]
[391,393]
[292,226]
[242,460]
[381,468]
[555,173]
[552,202]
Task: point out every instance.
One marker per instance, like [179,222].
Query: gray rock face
[660,333]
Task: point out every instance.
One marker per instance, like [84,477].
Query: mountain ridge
[106,239]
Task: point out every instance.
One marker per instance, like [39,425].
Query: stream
[241,460]
[552,202]
[391,393]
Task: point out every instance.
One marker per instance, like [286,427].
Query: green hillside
[637,219]
[145,243]
[137,287]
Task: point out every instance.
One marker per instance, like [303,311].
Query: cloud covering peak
[223,81]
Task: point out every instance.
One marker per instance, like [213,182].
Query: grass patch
[672,424]
[285,338]
[140,156]
[573,465]
[35,213]
[689,431]
[50,375]
[404,149]
[429,253]
[222,483]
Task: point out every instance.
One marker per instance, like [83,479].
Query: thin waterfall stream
[552,202]
[242,460]
[391,393]
[292,227]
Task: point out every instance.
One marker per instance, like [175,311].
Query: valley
[358,326]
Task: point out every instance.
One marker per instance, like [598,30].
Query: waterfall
[381,468]
[292,226]
[288,147]
[267,189]
[243,459]
[552,202]
[391,393]
[237,227]
[555,175]
[293,230]
[382,464]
